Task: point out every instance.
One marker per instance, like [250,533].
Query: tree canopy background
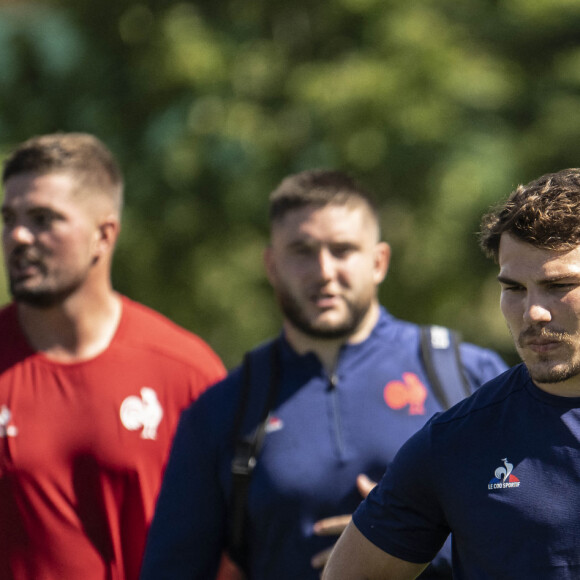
[440,107]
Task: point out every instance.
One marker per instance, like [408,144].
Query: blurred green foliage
[441,107]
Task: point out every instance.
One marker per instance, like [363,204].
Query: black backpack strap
[440,353]
[246,451]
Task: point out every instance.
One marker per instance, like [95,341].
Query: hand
[228,570]
[335,525]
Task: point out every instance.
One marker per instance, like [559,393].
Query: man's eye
[303,250]
[43,219]
[342,251]
[7,219]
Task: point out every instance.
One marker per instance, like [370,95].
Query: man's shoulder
[145,328]
[259,359]
[392,329]
[226,394]
[404,334]
[496,392]
[479,355]
[147,323]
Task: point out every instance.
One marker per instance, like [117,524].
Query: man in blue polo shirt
[351,388]
[500,470]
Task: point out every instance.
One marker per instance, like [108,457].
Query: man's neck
[328,350]
[569,388]
[72,332]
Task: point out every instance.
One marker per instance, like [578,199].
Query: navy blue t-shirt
[501,471]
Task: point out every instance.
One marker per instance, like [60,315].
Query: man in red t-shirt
[91,383]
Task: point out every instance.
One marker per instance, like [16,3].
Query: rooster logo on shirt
[6,428]
[410,393]
[142,412]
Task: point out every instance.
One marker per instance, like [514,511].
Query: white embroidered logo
[503,477]
[6,430]
[144,411]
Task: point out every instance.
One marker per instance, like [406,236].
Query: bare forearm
[355,558]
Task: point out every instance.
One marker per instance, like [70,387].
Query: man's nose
[326,263]
[536,311]
[19,234]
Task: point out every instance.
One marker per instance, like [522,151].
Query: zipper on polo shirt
[335,414]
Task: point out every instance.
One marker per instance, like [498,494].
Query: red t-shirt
[83,445]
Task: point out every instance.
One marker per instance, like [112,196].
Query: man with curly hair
[503,465]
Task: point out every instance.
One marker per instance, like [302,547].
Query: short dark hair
[544,213]
[80,154]
[318,188]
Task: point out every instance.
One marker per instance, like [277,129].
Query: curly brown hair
[544,213]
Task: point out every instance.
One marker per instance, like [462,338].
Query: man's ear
[106,235]
[382,260]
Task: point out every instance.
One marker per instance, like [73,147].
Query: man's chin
[329,319]
[330,329]
[41,300]
[552,373]
[334,323]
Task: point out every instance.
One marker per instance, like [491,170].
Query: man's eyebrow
[569,276]
[300,242]
[504,280]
